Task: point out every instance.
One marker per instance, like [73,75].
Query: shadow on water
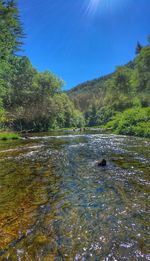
[57,204]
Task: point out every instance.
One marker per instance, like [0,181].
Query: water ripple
[57,204]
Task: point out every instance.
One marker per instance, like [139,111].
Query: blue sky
[80,40]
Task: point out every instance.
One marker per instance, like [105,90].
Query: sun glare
[101,5]
[93,6]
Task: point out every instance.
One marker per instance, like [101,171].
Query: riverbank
[138,125]
[6,135]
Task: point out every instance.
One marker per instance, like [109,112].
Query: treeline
[120,101]
[29,100]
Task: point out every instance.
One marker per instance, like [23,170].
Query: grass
[9,136]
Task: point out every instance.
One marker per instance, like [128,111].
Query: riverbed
[57,204]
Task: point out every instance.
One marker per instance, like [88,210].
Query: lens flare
[93,6]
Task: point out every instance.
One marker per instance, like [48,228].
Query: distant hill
[84,93]
[89,86]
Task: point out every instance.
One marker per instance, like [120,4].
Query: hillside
[121,100]
[96,84]
[84,93]
[89,86]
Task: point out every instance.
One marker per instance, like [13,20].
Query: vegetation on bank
[134,121]
[9,136]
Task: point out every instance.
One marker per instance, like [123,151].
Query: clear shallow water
[57,204]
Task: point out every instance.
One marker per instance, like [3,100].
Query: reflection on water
[56,204]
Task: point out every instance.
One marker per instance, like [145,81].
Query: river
[57,204]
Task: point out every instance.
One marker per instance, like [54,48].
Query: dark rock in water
[25,137]
[102,163]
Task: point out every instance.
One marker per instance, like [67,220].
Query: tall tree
[148,38]
[11,31]
[138,48]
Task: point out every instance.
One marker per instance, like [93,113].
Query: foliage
[135,121]
[127,88]
[10,28]
[2,117]
[138,48]
[9,136]
[141,75]
[29,100]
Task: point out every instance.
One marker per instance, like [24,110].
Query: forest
[34,101]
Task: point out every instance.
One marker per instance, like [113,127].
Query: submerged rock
[102,163]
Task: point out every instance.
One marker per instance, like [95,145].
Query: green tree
[138,48]
[141,75]
[10,29]
[148,38]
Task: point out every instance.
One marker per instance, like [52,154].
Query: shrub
[135,121]
[9,136]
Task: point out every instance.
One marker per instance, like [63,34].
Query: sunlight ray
[94,6]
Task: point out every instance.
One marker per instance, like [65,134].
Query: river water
[57,204]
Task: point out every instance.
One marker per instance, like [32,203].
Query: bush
[135,121]
[9,136]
